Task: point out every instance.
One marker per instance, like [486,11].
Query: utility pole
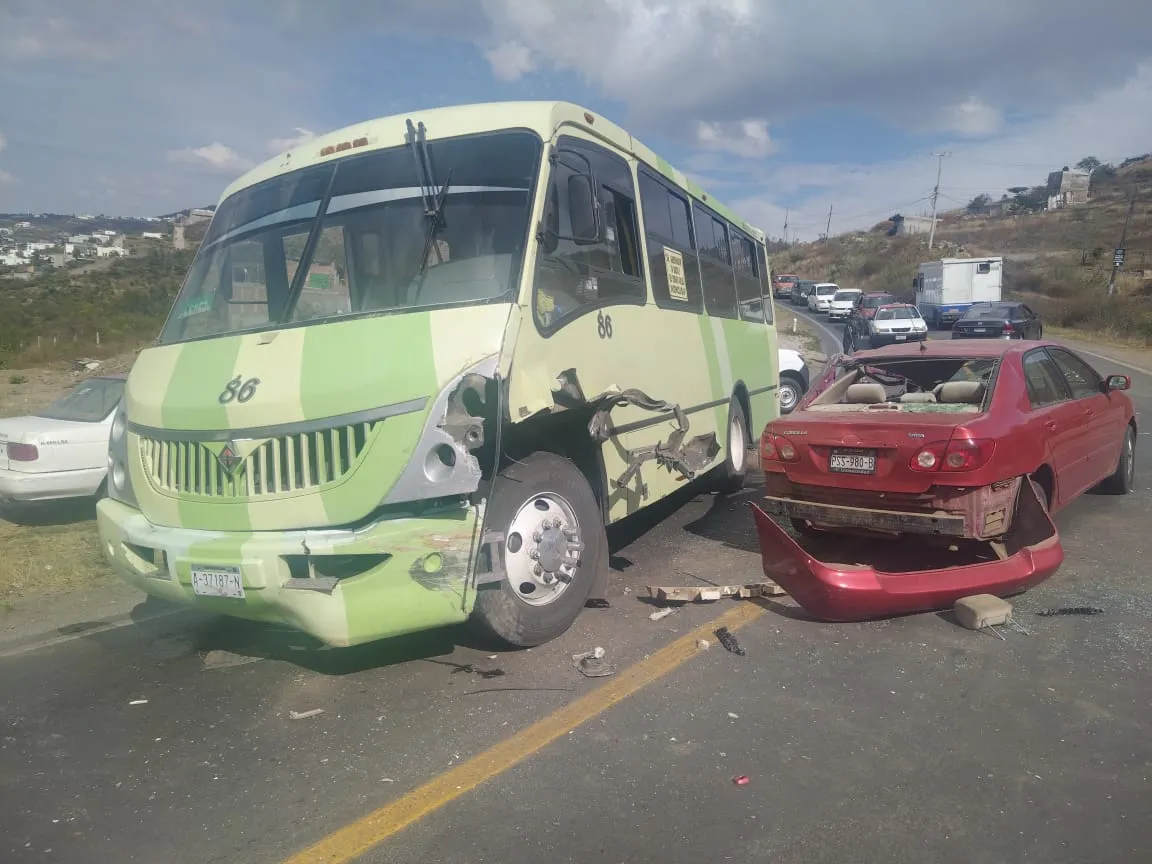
[1118,255]
[935,195]
[786,210]
[828,227]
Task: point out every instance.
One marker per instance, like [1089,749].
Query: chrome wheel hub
[542,549]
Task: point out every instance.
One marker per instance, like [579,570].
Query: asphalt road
[906,740]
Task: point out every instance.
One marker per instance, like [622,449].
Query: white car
[794,379]
[821,297]
[843,302]
[898,322]
[61,452]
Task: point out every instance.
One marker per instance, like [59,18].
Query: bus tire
[547,511]
[734,471]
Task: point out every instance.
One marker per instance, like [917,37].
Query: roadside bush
[17,379]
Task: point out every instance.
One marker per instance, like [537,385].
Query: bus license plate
[217,582]
[852,462]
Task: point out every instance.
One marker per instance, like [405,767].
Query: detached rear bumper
[859,591]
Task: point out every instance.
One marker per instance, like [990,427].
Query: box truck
[946,288]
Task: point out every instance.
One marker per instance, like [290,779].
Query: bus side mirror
[583,212]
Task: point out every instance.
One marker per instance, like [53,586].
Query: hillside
[49,227]
[58,314]
[1058,261]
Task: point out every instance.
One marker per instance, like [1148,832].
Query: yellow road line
[353,840]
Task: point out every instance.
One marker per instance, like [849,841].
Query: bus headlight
[119,478]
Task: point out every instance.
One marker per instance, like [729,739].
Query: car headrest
[865,394]
[918,397]
[965,392]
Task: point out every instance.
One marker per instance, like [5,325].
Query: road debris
[469,669]
[1070,610]
[986,612]
[663,613]
[138,702]
[597,603]
[742,780]
[709,593]
[729,641]
[224,659]
[591,664]
[304,715]
[703,644]
[733,716]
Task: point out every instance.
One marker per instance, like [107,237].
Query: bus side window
[748,270]
[715,264]
[672,262]
[572,278]
[765,282]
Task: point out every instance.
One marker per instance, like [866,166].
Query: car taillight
[777,448]
[1007,328]
[959,454]
[23,452]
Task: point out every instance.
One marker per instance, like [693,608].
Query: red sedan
[954,454]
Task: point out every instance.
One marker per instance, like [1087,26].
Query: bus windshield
[270,258]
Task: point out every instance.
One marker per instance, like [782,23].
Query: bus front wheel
[553,539]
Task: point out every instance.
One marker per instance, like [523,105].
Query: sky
[781,109]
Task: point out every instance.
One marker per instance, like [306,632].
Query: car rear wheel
[553,538]
[1123,479]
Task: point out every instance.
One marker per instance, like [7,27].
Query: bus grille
[277,466]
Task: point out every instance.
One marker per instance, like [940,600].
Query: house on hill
[1068,187]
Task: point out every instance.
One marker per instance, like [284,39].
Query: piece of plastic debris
[1070,610]
[703,644]
[733,716]
[387,780]
[742,780]
[729,642]
[591,664]
[663,613]
[304,715]
[598,603]
[138,702]
[491,656]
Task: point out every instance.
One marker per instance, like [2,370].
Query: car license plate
[900,337]
[217,582]
[979,330]
[852,462]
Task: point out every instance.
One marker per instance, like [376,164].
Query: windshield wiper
[433,199]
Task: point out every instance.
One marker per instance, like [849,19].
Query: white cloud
[676,63]
[747,138]
[302,136]
[7,179]
[214,156]
[972,118]
[864,194]
[510,61]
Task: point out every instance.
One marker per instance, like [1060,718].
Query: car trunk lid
[863,450]
[982,328]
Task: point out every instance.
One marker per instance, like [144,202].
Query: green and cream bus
[420,363]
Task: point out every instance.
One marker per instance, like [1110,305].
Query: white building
[108,251]
[152,235]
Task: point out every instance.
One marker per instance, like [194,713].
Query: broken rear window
[913,384]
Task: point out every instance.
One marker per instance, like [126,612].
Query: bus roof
[543,117]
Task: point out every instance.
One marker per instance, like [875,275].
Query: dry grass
[49,551]
[25,391]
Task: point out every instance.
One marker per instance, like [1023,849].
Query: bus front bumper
[342,586]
